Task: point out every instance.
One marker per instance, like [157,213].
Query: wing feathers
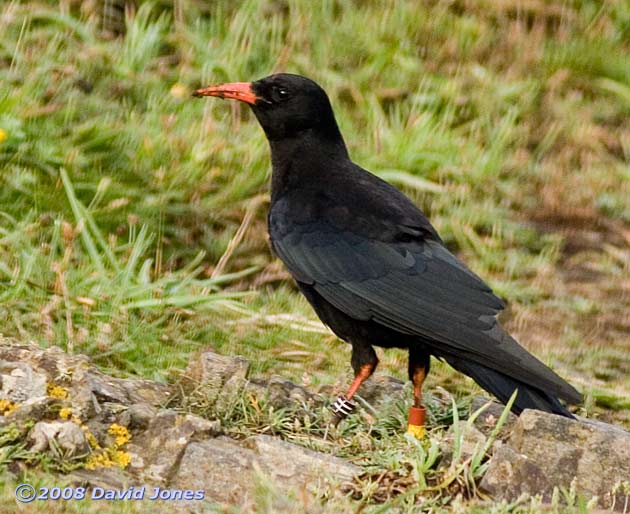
[414,287]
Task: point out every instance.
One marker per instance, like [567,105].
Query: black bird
[370,263]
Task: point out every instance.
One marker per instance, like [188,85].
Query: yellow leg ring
[416,430]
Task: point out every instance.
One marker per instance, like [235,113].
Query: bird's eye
[281,93]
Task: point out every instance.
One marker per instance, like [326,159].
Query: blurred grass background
[132,217]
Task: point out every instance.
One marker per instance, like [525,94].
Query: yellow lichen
[56,391]
[65,413]
[121,434]
[7,407]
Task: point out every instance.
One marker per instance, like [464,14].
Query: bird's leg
[364,363]
[418,380]
[419,363]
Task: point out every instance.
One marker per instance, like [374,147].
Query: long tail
[503,386]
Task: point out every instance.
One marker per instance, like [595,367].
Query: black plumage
[370,263]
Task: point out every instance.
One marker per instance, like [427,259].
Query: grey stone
[547,451]
[106,388]
[297,464]
[65,435]
[141,414]
[284,394]
[19,382]
[84,401]
[127,391]
[227,470]
[220,467]
[27,369]
[146,391]
[202,427]
[30,410]
[155,453]
[511,474]
[107,478]
[218,377]
[382,388]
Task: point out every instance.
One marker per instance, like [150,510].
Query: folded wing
[416,286]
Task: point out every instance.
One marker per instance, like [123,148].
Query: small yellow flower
[56,391]
[7,407]
[98,460]
[121,459]
[107,459]
[121,433]
[110,456]
[91,439]
[179,91]
[3,135]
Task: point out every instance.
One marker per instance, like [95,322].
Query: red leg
[364,373]
[418,379]
[343,405]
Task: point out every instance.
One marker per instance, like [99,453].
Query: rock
[145,391]
[220,467]
[107,478]
[31,410]
[26,371]
[141,414]
[66,435]
[53,363]
[382,388]
[20,382]
[297,464]
[487,420]
[227,470]
[219,378]
[156,452]
[546,451]
[106,389]
[510,474]
[284,394]
[202,427]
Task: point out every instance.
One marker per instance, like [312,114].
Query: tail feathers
[503,386]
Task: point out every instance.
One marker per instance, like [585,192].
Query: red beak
[236,90]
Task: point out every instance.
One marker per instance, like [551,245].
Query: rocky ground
[125,434]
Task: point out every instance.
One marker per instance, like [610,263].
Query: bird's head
[284,104]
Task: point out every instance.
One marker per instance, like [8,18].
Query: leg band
[415,426]
[342,407]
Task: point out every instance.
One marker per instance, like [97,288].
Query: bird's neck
[308,157]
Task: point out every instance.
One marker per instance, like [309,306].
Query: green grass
[121,197]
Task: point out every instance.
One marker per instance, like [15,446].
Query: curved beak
[236,90]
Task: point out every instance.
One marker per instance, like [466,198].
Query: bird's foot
[415,425]
[342,408]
